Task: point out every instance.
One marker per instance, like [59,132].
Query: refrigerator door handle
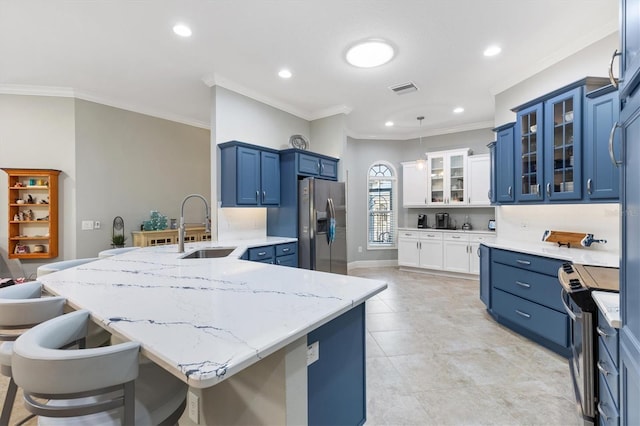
[331,231]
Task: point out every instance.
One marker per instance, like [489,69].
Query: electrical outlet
[313,353]
[96,224]
[193,403]
[359,249]
[87,225]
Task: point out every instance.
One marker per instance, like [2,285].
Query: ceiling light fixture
[421,162]
[285,73]
[182,30]
[389,123]
[492,50]
[458,110]
[370,53]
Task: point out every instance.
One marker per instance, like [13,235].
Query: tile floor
[435,357]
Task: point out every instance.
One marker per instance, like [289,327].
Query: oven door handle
[571,314]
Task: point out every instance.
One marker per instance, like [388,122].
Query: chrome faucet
[182,230]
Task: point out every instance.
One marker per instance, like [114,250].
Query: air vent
[403,88]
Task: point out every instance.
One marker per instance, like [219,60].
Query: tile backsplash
[241,223]
[528,222]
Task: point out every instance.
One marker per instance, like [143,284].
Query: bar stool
[63,264]
[21,307]
[94,386]
[115,251]
[98,336]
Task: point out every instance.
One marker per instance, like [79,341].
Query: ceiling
[124,53]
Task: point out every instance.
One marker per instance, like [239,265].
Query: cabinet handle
[277,261]
[264,196]
[284,250]
[509,190]
[457,237]
[548,189]
[612,155]
[602,369]
[538,188]
[523,314]
[321,168]
[425,200]
[478,251]
[257,195]
[469,200]
[521,284]
[420,245]
[601,411]
[488,194]
[612,79]
[523,262]
[430,235]
[318,165]
[602,333]
[589,186]
[417,245]
[262,253]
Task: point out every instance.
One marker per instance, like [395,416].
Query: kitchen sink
[209,253]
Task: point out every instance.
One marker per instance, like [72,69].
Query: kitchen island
[235,331]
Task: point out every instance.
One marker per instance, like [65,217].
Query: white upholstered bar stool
[21,307]
[115,251]
[97,336]
[97,386]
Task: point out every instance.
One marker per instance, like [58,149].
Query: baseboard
[473,277]
[371,264]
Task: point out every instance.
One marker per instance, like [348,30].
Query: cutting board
[570,239]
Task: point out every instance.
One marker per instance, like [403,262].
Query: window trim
[394,203]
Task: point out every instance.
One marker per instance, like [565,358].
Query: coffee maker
[442,220]
[422,221]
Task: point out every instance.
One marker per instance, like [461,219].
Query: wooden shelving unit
[33,223]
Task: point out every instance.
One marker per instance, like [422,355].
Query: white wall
[39,132]
[129,164]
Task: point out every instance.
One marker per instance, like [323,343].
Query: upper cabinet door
[504,166]
[329,168]
[600,176]
[528,154]
[457,174]
[479,180]
[563,142]
[414,185]
[248,177]
[630,43]
[437,185]
[270,178]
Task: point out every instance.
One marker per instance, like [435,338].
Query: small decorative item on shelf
[20,201]
[44,201]
[117,235]
[157,222]
[30,199]
[21,249]
[29,215]
[39,248]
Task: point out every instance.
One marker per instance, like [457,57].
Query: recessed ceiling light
[182,30]
[370,53]
[458,110]
[389,123]
[285,73]
[492,50]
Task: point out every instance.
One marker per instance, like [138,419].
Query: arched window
[381,194]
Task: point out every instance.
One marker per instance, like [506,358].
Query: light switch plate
[87,225]
[313,353]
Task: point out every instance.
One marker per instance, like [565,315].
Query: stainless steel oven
[577,282]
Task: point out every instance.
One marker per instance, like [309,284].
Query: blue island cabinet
[336,381]
[250,175]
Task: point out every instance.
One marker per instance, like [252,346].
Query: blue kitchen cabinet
[504,164]
[250,175]
[630,43]
[485,275]
[336,381]
[285,254]
[309,164]
[601,176]
[608,373]
[630,262]
[563,146]
[529,140]
[525,296]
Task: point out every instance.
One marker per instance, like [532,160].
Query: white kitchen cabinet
[479,180]
[474,250]
[456,252]
[447,177]
[414,185]
[420,249]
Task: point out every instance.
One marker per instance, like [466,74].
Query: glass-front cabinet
[529,154]
[563,125]
[447,177]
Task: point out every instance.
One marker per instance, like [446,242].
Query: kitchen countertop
[584,256]
[464,231]
[609,305]
[207,319]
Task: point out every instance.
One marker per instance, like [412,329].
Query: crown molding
[67,92]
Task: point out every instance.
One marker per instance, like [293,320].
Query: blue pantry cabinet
[250,175]
[629,157]
[504,165]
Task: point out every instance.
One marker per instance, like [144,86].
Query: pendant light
[421,162]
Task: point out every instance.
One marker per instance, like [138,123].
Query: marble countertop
[609,305]
[464,231]
[207,319]
[584,255]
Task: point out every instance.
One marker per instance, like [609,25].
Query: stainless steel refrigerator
[322,236]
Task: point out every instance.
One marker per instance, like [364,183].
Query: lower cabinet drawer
[539,288]
[286,249]
[288,260]
[261,253]
[544,265]
[545,322]
[608,372]
[607,410]
[609,336]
